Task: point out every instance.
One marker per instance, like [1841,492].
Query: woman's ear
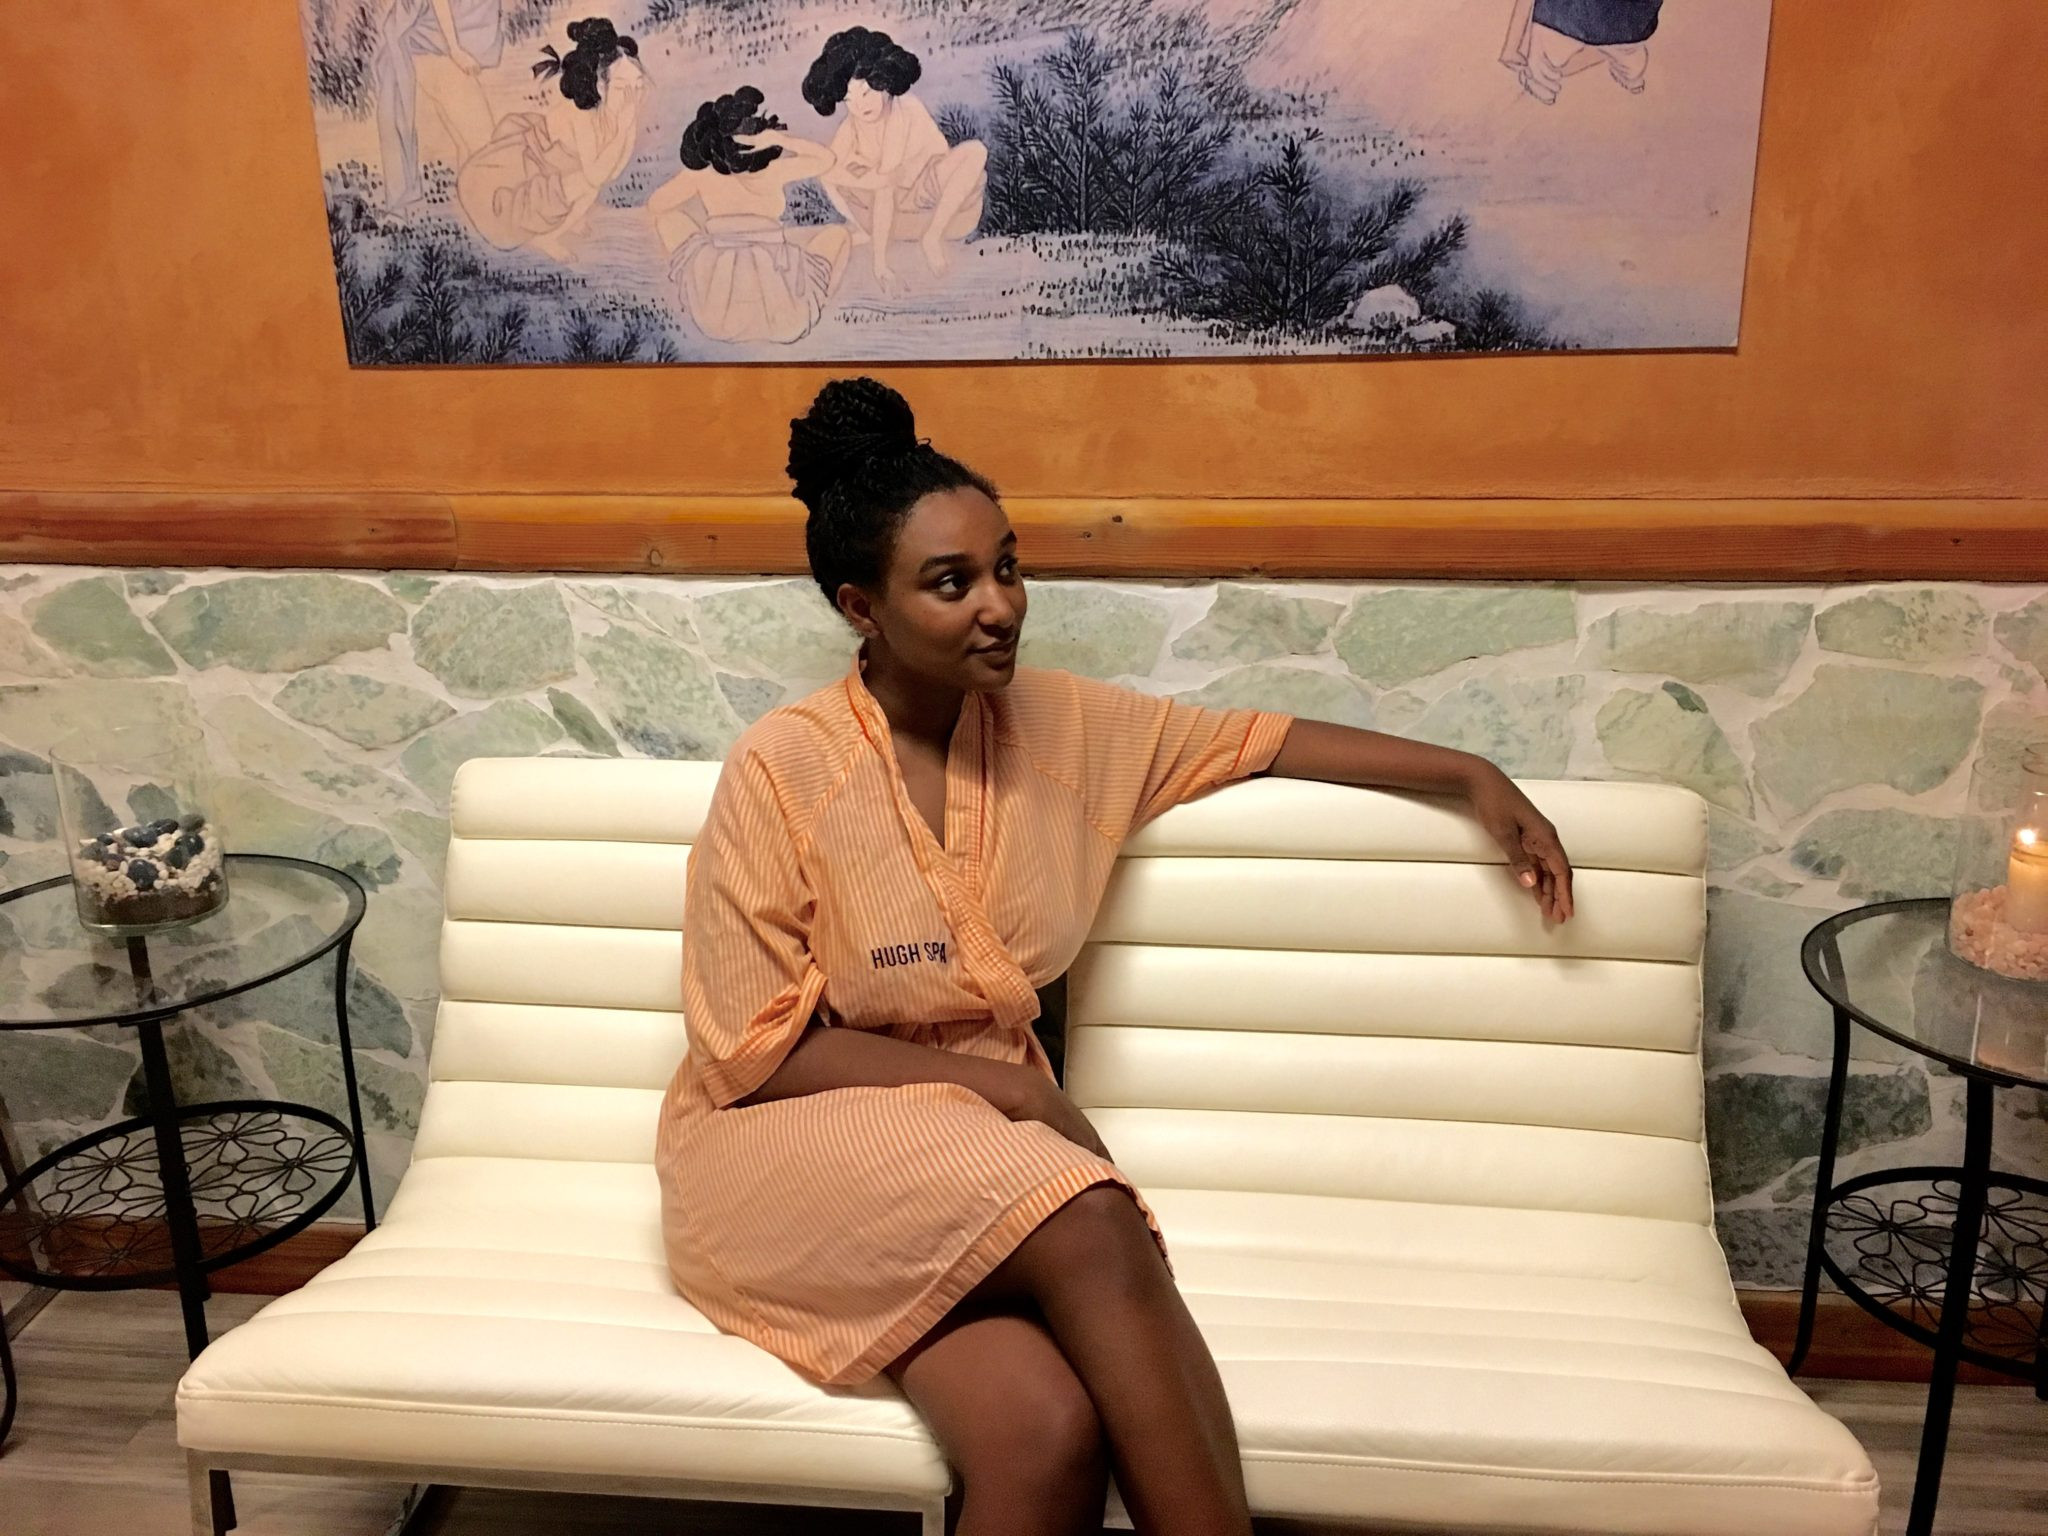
[858,610]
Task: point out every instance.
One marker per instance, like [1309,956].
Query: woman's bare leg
[460,106]
[963,173]
[833,244]
[854,207]
[1017,1426]
[1096,1276]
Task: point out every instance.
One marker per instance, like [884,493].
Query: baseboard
[1847,1342]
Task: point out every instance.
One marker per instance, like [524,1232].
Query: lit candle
[2026,882]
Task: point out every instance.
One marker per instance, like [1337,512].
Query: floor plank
[94,1450]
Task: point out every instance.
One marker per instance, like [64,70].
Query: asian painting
[682,181]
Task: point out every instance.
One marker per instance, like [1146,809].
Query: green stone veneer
[1837,734]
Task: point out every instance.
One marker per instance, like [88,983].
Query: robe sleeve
[750,982]
[1144,754]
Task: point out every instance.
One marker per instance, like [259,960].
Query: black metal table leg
[162,1110]
[348,1074]
[179,1211]
[8,1385]
[2041,1358]
[1823,1186]
[1955,1306]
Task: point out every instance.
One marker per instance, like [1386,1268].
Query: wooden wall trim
[1788,540]
[1847,1343]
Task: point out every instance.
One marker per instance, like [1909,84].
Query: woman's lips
[997,652]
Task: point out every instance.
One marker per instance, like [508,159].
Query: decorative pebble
[165,869]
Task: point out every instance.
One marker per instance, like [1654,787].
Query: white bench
[1433,1177]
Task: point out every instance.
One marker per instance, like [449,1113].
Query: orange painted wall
[170,319]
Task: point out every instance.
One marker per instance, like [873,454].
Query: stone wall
[1836,733]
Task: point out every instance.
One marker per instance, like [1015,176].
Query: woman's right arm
[824,1058]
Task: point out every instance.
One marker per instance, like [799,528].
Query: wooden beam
[376,530]
[1812,540]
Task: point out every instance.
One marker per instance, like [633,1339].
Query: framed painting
[685,181]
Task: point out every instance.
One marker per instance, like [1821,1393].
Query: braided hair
[859,467]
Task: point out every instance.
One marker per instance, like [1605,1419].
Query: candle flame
[2027,835]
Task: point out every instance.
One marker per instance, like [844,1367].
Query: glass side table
[178,1191]
[1955,1257]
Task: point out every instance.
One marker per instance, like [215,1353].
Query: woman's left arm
[1343,754]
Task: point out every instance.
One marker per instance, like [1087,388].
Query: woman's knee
[1098,1239]
[1049,1439]
[1010,1413]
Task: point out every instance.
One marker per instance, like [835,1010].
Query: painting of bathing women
[530,178]
[847,180]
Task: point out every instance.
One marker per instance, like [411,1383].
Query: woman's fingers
[1554,873]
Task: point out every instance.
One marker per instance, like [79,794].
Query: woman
[740,272]
[894,175]
[437,49]
[541,174]
[866,1164]
[1551,39]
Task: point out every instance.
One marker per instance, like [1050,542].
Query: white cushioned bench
[1434,1180]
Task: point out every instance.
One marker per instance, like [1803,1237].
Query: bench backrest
[1290,987]
[1316,989]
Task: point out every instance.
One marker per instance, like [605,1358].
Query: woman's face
[865,102]
[624,77]
[953,597]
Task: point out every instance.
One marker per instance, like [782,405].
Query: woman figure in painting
[895,176]
[1550,39]
[871,1168]
[538,178]
[741,273]
[434,49]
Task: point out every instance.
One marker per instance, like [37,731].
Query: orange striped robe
[834,1229]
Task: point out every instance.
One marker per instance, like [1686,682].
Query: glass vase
[135,807]
[1998,917]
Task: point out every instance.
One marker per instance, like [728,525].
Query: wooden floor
[94,1451]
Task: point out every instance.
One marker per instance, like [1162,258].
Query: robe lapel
[955,877]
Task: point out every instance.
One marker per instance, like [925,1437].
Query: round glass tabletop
[280,914]
[1889,966]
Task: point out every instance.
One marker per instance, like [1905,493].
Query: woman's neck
[916,709]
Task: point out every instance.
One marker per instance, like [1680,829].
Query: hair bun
[851,424]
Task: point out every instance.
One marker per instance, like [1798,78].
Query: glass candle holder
[136,811]
[1998,917]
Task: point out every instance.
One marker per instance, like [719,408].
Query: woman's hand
[1529,840]
[1038,1097]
